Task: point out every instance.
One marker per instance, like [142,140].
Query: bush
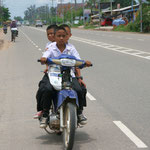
[135,26]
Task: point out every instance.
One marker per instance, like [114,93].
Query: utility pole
[50,13]
[62,11]
[71,13]
[99,8]
[141,19]
[83,13]
[132,12]
[111,6]
[56,11]
[1,11]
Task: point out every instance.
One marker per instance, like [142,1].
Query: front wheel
[70,126]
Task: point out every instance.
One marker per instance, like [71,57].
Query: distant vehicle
[118,22]
[18,23]
[76,21]
[44,22]
[95,19]
[26,23]
[106,22]
[38,23]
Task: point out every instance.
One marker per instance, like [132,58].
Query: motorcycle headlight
[68,62]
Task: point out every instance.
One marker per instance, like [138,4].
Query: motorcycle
[63,112]
[14,34]
[5,30]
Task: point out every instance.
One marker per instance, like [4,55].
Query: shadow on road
[52,139]
[81,138]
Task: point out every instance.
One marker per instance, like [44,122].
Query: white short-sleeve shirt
[47,45]
[53,51]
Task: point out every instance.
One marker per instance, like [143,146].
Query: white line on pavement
[130,134]
[141,39]
[90,96]
[116,48]
[129,38]
[31,41]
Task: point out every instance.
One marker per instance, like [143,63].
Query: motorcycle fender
[67,95]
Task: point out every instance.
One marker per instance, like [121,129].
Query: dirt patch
[4,43]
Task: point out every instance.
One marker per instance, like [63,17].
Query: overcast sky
[17,7]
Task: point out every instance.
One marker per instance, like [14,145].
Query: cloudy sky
[17,7]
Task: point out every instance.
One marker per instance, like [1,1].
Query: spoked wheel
[13,37]
[70,126]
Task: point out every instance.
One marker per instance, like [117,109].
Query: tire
[14,36]
[70,126]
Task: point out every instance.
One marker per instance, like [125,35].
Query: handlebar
[85,63]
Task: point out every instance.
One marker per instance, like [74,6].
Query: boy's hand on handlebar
[43,60]
[46,70]
[88,63]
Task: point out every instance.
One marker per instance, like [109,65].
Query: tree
[124,3]
[32,13]
[18,18]
[4,14]
[136,25]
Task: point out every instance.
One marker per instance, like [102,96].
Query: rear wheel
[70,126]
[13,36]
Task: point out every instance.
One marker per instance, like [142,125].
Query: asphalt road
[118,91]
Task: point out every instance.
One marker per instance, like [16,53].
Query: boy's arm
[78,75]
[45,71]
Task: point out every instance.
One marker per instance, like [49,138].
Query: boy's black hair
[65,26]
[53,26]
[59,28]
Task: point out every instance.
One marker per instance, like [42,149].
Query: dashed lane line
[90,97]
[125,50]
[31,41]
[130,134]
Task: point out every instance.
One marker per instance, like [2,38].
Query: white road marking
[90,96]
[116,48]
[130,134]
[141,39]
[31,41]
[129,38]
[119,37]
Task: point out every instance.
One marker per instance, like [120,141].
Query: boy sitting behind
[50,35]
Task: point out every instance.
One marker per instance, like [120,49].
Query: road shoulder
[4,42]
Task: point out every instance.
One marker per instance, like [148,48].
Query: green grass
[89,27]
[121,28]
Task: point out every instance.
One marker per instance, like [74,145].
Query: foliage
[124,3]
[18,18]
[4,14]
[146,18]
[135,26]
[88,26]
[40,13]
